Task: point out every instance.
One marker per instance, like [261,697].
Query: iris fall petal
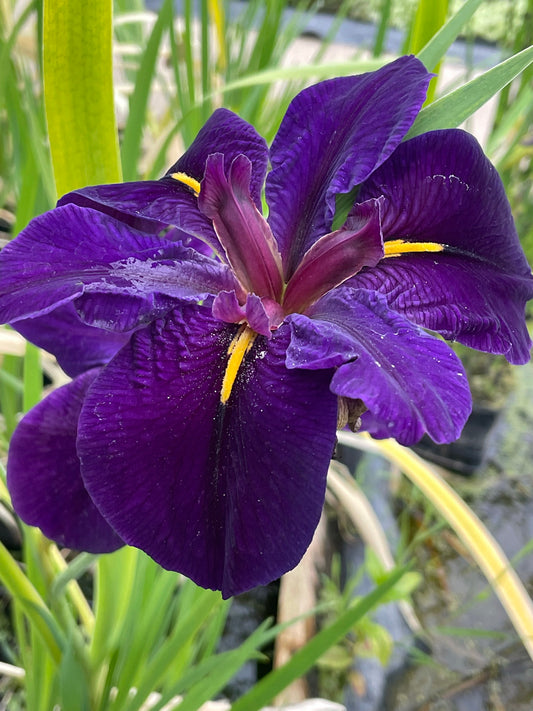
[411,382]
[70,252]
[227,494]
[43,473]
[439,187]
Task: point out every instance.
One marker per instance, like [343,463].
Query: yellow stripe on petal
[238,348]
[188,181]
[397,247]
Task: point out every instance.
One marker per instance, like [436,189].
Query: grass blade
[431,54]
[383,25]
[454,108]
[429,17]
[31,602]
[480,543]
[131,143]
[269,686]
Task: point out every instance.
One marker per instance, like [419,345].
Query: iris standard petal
[43,473]
[228,494]
[332,137]
[410,382]
[71,251]
[225,132]
[439,187]
[152,205]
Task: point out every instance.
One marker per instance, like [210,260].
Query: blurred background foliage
[496,21]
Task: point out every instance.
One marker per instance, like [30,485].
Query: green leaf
[74,570]
[31,602]
[337,658]
[186,629]
[429,18]
[469,632]
[379,42]
[405,587]
[131,144]
[269,686]
[73,687]
[78,85]
[213,674]
[344,202]
[308,71]
[436,47]
[7,44]
[33,377]
[113,588]
[454,108]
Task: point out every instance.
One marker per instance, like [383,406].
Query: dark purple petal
[439,187]
[410,382]
[71,251]
[43,473]
[262,315]
[187,240]
[149,206]
[153,205]
[336,256]
[228,494]
[226,307]
[461,299]
[225,132]
[76,346]
[242,230]
[332,137]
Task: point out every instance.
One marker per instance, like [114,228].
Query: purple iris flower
[210,346]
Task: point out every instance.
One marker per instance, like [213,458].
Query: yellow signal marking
[188,181]
[396,247]
[238,348]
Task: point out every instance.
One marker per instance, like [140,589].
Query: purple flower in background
[210,346]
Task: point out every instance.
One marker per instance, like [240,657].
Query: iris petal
[228,495]
[43,473]
[72,252]
[410,382]
[148,205]
[225,132]
[439,187]
[332,137]
[77,346]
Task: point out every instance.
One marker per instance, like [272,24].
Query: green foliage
[365,638]
[79,93]
[497,21]
[451,110]
[271,685]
